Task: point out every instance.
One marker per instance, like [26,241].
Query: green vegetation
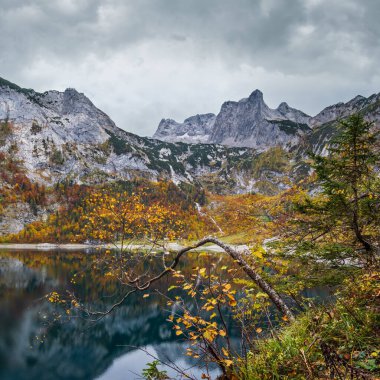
[328,238]
[57,157]
[347,332]
[290,127]
[6,83]
[274,159]
[35,128]
[5,132]
[153,373]
[347,208]
[28,92]
[119,146]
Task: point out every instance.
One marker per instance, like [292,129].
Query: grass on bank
[350,329]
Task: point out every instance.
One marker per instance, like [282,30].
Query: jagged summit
[199,118]
[256,96]
[248,122]
[283,107]
[341,110]
[62,135]
[194,129]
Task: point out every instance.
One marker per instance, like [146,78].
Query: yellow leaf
[259,330]
[222,333]
[209,335]
[178,332]
[261,295]
[145,295]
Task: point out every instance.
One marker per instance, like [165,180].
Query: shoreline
[48,246]
[173,246]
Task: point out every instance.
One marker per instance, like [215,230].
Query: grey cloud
[235,30]
[161,54]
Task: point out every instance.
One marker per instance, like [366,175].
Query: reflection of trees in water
[75,348]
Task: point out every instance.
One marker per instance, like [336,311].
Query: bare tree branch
[139,284]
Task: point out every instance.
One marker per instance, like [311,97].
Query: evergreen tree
[347,207]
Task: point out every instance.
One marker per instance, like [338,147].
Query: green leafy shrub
[350,328]
[5,132]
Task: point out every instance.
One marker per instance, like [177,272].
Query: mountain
[324,124]
[246,123]
[195,129]
[62,136]
[251,123]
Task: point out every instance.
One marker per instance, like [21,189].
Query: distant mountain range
[60,136]
[251,123]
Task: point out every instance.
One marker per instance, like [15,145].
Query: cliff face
[251,123]
[195,129]
[248,147]
[246,123]
[59,136]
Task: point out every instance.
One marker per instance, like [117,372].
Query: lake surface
[34,345]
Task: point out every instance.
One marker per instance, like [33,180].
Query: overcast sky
[144,60]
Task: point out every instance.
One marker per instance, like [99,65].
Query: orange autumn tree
[122,218]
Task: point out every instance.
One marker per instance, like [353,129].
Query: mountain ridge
[53,138]
[61,135]
[250,123]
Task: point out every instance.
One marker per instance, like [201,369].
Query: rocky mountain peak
[200,118]
[283,107]
[194,129]
[341,110]
[357,98]
[256,97]
[293,114]
[74,102]
[248,122]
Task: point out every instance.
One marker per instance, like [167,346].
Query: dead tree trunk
[259,281]
[237,256]
[141,283]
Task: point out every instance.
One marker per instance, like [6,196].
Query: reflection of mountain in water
[74,348]
[16,275]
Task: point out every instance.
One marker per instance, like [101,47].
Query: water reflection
[34,346]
